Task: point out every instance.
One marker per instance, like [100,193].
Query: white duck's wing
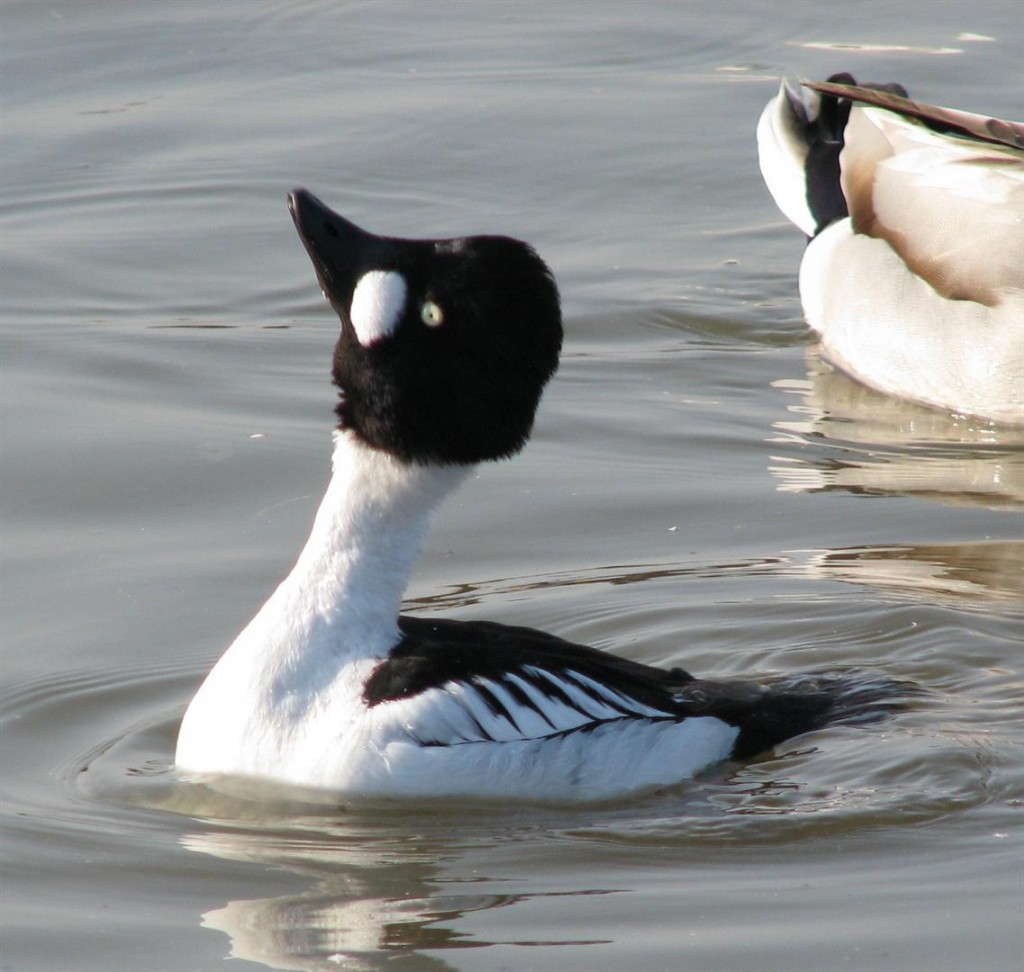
[944,188]
[951,121]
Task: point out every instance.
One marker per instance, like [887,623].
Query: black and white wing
[453,682]
[477,681]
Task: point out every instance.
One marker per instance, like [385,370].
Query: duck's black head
[445,345]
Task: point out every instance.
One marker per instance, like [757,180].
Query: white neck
[340,602]
[306,652]
[366,536]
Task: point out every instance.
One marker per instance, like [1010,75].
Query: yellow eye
[431,314]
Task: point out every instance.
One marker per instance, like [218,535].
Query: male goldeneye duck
[914,274]
[445,348]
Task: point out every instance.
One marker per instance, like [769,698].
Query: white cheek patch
[377,304]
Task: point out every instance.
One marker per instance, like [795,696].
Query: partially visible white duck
[914,273]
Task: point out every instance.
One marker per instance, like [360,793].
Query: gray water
[700,490]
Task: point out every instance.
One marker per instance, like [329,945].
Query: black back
[482,655]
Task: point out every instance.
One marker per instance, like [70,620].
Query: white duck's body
[445,348]
[914,274]
[287,700]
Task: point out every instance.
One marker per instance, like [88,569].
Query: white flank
[610,760]
[889,328]
[377,303]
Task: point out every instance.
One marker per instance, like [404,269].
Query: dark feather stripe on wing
[488,682]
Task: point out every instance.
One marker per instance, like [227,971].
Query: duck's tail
[771,711]
[799,137]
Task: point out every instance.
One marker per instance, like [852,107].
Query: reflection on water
[960,574]
[615,575]
[368,908]
[360,912]
[963,573]
[866,442]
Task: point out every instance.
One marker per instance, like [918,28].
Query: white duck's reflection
[839,434]
[381,918]
[377,898]
[956,574]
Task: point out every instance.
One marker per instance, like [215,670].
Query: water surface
[700,491]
